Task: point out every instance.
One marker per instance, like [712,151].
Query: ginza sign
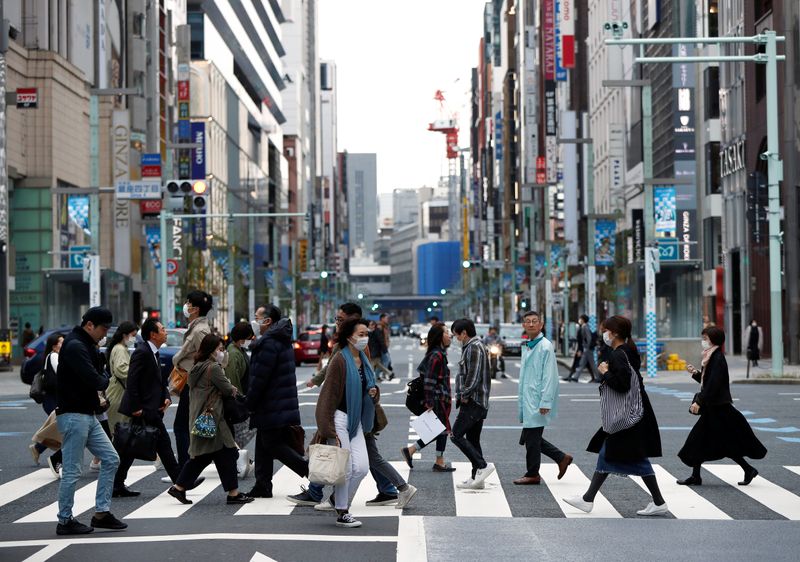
[731,158]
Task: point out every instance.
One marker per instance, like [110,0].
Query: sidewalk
[737,369]
[10,385]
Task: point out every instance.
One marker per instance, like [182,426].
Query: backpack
[415,396]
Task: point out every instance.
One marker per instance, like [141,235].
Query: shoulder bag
[205,425]
[37,392]
[415,396]
[327,464]
[177,380]
[621,410]
[136,439]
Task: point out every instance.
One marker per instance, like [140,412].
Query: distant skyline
[391,57]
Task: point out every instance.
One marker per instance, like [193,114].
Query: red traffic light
[200,187]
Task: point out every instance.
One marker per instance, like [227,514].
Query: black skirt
[722,431]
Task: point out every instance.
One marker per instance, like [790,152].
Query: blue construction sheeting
[438,267]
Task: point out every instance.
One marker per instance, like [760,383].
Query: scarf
[707,355]
[534,343]
[360,408]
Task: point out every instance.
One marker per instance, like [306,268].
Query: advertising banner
[604,242]
[199,154]
[561,73]
[549,38]
[152,235]
[78,208]
[665,209]
[567,32]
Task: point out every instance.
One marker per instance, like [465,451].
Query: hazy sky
[391,57]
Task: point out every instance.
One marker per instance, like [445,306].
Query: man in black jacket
[80,377]
[272,399]
[146,397]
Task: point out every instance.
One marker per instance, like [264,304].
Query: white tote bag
[327,464]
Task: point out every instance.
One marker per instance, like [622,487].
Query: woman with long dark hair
[207,386]
[51,349]
[436,380]
[118,357]
[625,452]
[722,431]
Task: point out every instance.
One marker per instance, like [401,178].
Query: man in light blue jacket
[538,400]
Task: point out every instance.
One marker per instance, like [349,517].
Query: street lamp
[466,264]
[443,292]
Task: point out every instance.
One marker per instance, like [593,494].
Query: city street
[719,519]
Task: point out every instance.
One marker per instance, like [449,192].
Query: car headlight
[494,349]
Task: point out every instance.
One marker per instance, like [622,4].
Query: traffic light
[757,205]
[199,195]
[175,193]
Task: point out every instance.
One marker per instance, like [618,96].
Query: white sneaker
[404,496]
[483,473]
[242,462]
[470,484]
[166,480]
[579,503]
[347,520]
[325,505]
[157,464]
[653,509]
[55,467]
[94,466]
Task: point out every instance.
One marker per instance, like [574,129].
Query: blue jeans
[80,432]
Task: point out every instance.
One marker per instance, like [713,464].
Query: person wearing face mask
[346,410]
[272,399]
[207,386]
[754,338]
[722,431]
[238,371]
[195,309]
[119,359]
[625,452]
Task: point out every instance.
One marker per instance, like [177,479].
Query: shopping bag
[177,380]
[136,439]
[428,426]
[327,464]
[48,434]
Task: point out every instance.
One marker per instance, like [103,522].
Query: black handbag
[136,439]
[415,396]
[37,392]
[234,409]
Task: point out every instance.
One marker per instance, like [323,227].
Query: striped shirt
[473,380]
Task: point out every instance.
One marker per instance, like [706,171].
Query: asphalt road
[441,524]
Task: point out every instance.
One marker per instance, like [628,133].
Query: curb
[793,380]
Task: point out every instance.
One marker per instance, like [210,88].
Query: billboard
[604,242]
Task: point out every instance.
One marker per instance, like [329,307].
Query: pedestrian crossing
[493,501]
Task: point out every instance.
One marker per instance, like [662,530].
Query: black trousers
[224,460]
[271,445]
[164,450]
[466,434]
[535,446]
[181,427]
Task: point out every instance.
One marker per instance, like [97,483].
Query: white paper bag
[327,464]
[428,426]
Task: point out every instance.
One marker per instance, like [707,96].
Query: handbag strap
[634,374]
[212,392]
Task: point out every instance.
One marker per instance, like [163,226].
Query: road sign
[172,280]
[76,255]
[138,189]
[27,98]
[5,347]
[557,300]
[172,267]
[310,275]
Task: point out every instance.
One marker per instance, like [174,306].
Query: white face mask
[361,343]
[102,342]
[186,308]
[220,357]
[705,344]
[607,339]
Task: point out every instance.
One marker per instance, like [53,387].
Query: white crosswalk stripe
[493,501]
[771,495]
[84,498]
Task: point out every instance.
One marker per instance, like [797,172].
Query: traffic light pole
[165,221]
[769,58]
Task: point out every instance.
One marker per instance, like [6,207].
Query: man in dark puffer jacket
[272,399]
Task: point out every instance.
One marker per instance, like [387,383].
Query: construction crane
[446,125]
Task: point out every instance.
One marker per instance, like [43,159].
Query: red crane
[447,126]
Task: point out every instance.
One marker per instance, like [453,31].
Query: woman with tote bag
[346,410]
[629,435]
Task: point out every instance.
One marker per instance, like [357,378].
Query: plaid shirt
[473,380]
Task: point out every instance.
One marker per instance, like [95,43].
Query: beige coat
[118,366]
[207,378]
[198,329]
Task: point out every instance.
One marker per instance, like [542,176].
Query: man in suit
[146,397]
[585,353]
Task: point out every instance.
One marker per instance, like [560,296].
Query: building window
[246,84]
[713,183]
[712,242]
[197,47]
[711,82]
[713,13]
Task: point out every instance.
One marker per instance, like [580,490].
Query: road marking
[761,420]
[284,483]
[584,400]
[369,489]
[24,485]
[411,543]
[795,469]
[165,506]
[258,557]
[489,502]
[790,429]
[84,498]
[760,489]
[395,380]
[788,393]
[683,502]
[790,439]
[574,483]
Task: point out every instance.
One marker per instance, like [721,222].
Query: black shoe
[691,481]
[197,482]
[304,498]
[73,527]
[446,468]
[748,476]
[407,455]
[108,522]
[242,498]
[258,492]
[382,499]
[124,492]
[179,495]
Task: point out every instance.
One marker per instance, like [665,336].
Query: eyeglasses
[531,322]
[339,319]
